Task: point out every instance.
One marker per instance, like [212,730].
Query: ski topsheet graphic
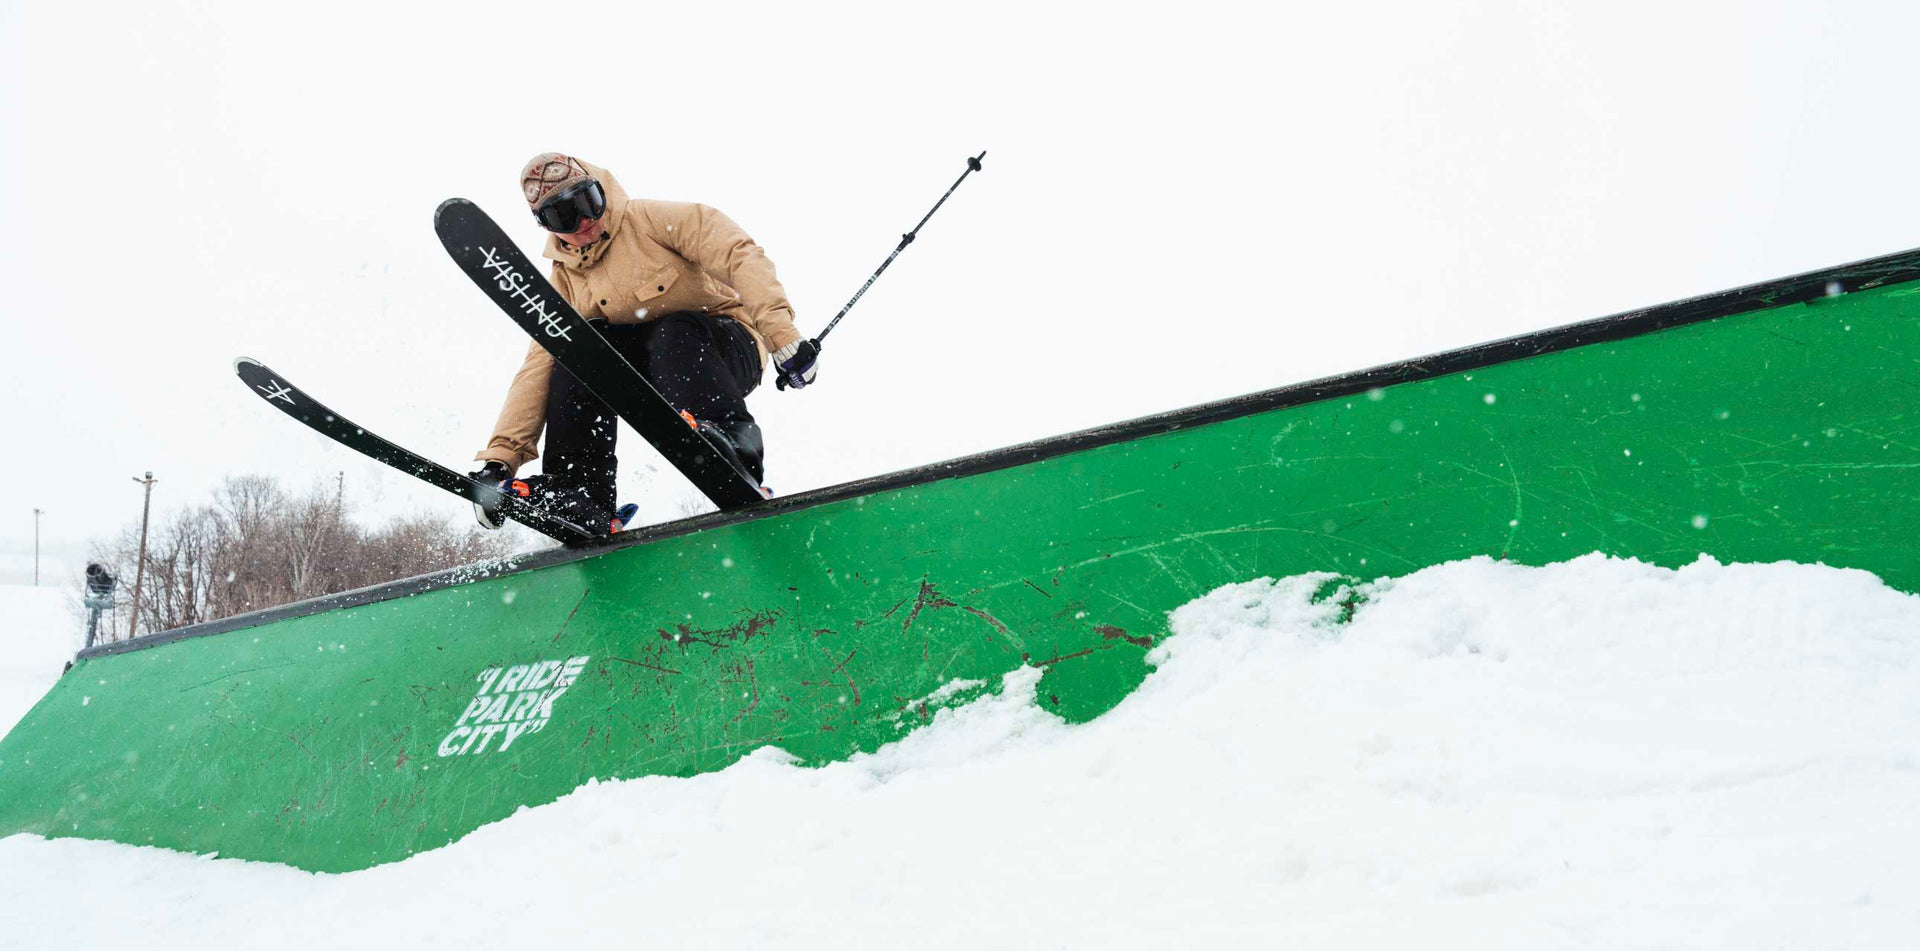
[289,399]
[487,256]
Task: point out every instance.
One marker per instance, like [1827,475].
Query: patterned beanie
[547,173]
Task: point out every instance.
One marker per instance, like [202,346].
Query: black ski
[290,400]
[487,256]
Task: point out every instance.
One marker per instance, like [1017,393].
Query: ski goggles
[561,214]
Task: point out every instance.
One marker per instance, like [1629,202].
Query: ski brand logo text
[512,703]
[515,284]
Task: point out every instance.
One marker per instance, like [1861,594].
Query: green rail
[344,734]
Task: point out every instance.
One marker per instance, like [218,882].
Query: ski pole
[973,165]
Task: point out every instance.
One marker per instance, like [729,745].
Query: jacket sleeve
[516,436]
[701,234]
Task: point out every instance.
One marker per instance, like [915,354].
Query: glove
[493,473]
[796,364]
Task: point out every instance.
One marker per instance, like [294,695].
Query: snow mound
[38,636]
[1598,753]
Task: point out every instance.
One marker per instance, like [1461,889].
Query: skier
[683,293]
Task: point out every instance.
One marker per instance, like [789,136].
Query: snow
[39,634]
[1598,753]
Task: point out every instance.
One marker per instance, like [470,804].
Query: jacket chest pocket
[623,302]
[655,284]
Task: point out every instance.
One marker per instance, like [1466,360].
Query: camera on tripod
[99,596]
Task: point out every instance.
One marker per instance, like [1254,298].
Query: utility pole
[36,546]
[140,567]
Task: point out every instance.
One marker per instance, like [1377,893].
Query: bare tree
[310,525]
[254,546]
[246,508]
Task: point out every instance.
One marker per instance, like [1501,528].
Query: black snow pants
[701,363]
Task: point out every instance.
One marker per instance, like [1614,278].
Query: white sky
[1182,202]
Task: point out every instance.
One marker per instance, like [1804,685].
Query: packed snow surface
[1594,754]
[38,636]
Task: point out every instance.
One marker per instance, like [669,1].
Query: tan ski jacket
[657,258]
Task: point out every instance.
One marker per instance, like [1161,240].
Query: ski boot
[576,503]
[566,501]
[739,444]
[623,515]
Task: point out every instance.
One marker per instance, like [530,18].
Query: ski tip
[240,363]
[449,203]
